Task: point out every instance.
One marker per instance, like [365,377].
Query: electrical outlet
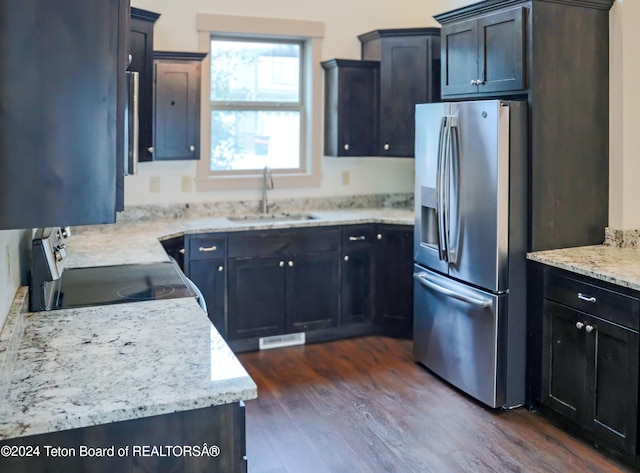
[346,178]
[187,183]
[154,184]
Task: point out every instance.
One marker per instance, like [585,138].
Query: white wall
[624,126]
[344,21]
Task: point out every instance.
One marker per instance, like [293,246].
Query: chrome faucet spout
[267,183]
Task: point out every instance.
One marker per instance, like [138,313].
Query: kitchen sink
[271,217]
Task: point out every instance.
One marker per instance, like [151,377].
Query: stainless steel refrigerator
[469,246]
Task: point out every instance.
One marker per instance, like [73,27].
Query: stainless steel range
[55,287]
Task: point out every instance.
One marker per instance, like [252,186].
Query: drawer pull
[357,238]
[579,325]
[586,298]
[589,328]
[208,248]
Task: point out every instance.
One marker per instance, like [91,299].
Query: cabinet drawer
[604,303]
[358,235]
[274,242]
[207,247]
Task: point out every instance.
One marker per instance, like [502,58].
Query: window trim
[311,33]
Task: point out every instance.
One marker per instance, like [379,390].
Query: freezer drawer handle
[357,238]
[484,303]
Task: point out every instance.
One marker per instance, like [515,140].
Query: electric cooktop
[103,285]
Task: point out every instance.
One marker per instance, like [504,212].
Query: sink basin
[266,218]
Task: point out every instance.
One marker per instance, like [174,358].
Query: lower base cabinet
[590,358]
[132,441]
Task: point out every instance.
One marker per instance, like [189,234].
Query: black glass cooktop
[101,285]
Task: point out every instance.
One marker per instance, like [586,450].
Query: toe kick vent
[278,341]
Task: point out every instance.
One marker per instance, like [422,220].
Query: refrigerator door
[429,230]
[477,200]
[456,335]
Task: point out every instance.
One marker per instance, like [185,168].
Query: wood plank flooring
[363,405]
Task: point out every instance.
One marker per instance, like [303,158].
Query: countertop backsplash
[622,238]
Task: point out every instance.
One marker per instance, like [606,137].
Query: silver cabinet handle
[150,149]
[281,264]
[586,298]
[181,251]
[207,248]
[346,147]
[290,263]
[579,325]
[220,269]
[480,81]
[589,328]
[379,236]
[192,148]
[474,82]
[386,146]
[346,258]
[357,238]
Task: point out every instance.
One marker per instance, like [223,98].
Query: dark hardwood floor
[363,405]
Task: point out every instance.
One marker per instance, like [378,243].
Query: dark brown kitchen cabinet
[484,55]
[555,56]
[351,107]
[62,96]
[394,280]
[141,51]
[409,74]
[590,357]
[282,282]
[206,266]
[176,123]
[357,281]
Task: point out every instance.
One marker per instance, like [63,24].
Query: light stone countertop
[74,368]
[619,266]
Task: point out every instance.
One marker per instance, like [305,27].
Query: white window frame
[311,33]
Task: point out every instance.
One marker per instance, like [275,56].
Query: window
[257,104]
[263,88]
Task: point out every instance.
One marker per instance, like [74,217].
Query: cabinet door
[394,281]
[613,379]
[459,58]
[312,291]
[501,44]
[256,301]
[177,110]
[357,286]
[211,278]
[141,51]
[564,361]
[62,96]
[403,84]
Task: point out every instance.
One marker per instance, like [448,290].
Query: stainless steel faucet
[267,183]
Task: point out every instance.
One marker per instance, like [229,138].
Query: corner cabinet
[62,90]
[141,51]
[485,54]
[409,74]
[590,357]
[350,107]
[176,123]
[555,56]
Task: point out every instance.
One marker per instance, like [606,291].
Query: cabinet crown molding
[371,35]
[144,15]
[487,6]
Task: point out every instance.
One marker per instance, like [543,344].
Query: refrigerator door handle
[420,277]
[440,179]
[453,228]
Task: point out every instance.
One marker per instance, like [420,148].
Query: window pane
[243,140]
[249,71]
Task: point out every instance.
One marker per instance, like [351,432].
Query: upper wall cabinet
[141,51]
[176,123]
[484,55]
[62,96]
[409,74]
[350,107]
